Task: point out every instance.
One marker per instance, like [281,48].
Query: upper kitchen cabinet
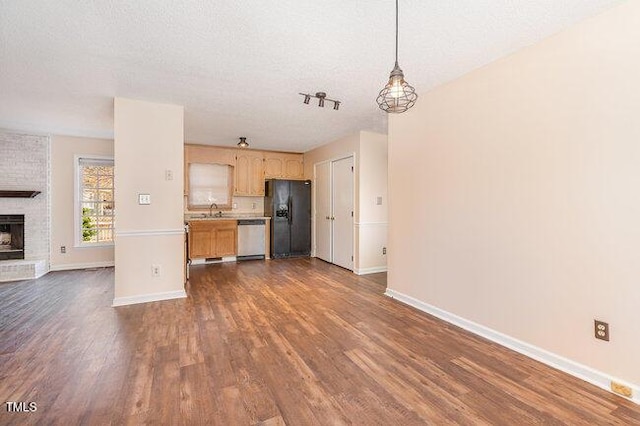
[209,154]
[280,165]
[215,174]
[249,173]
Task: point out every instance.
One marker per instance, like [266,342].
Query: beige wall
[370,220]
[341,148]
[148,143]
[515,195]
[63,152]
[372,224]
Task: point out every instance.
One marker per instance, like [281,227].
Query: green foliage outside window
[88,226]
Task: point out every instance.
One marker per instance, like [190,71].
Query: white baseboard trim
[145,298]
[583,372]
[373,270]
[88,265]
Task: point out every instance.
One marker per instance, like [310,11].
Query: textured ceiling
[237,66]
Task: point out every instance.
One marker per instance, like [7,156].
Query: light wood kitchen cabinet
[249,173]
[209,154]
[213,238]
[282,165]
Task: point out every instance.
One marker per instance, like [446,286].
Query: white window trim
[78,243]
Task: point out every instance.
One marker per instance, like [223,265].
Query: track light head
[307,98]
[336,105]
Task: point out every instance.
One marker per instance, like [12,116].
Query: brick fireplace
[24,197]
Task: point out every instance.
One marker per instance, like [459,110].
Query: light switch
[168,174]
[378,201]
[144,199]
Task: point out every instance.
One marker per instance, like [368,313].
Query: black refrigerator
[288,204]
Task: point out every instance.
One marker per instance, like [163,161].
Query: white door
[333,213]
[342,212]
[322,216]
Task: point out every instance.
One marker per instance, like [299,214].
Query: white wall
[515,196]
[148,143]
[370,168]
[63,152]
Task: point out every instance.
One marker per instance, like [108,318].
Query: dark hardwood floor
[295,342]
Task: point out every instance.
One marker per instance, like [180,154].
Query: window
[94,201]
[210,183]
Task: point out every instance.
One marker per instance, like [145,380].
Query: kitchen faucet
[219,214]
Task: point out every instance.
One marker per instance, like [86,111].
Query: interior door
[322,216]
[342,216]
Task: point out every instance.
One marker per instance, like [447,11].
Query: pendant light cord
[396,32]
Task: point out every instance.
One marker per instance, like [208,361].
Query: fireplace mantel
[18,194]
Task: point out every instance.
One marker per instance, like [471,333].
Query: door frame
[353,201]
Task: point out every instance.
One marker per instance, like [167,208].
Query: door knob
[327,218]
[333,218]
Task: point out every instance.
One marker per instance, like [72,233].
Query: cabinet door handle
[327,218]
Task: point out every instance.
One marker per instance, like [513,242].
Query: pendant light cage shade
[398,95]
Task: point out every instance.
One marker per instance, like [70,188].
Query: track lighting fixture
[243,143]
[321,98]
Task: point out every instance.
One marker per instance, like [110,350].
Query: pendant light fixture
[243,143]
[397,96]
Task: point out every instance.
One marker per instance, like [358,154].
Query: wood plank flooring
[280,342]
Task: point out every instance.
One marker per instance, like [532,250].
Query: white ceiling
[237,66]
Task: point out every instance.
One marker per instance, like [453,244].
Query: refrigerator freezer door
[281,229]
[300,214]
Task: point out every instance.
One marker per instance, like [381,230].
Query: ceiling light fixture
[322,98]
[397,96]
[243,143]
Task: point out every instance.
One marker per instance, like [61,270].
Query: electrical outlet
[601,330]
[144,199]
[384,250]
[155,270]
[63,249]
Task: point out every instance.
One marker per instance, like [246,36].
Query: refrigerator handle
[290,209]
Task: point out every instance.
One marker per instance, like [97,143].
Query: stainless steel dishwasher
[250,239]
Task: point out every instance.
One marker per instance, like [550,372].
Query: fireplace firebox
[11,236]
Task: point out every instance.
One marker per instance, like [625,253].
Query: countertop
[229,216]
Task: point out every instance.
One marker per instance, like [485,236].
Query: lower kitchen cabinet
[213,238]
